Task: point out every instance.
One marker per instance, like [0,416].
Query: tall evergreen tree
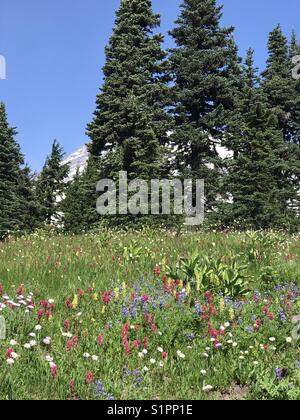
[79,205]
[280,88]
[282,93]
[11,160]
[294,45]
[129,129]
[259,177]
[253,191]
[50,185]
[206,71]
[29,210]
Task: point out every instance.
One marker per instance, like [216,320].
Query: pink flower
[9,353]
[107,297]
[20,291]
[153,328]
[72,343]
[54,370]
[100,340]
[69,303]
[136,344]
[89,378]
[67,325]
[258,324]
[40,314]
[80,293]
[146,343]
[157,271]
[145,298]
[164,355]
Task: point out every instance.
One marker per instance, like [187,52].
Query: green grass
[55,266]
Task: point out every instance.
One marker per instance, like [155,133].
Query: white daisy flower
[14,355]
[207,388]
[47,341]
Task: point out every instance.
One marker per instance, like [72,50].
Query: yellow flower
[180,284]
[198,281]
[124,288]
[103,309]
[95,297]
[222,306]
[188,289]
[298,303]
[75,302]
[117,292]
[231,314]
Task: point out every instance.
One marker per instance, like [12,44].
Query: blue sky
[55,51]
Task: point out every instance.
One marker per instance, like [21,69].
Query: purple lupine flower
[125,312]
[279,373]
[198,309]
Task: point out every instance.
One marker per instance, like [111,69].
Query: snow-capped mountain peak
[77,160]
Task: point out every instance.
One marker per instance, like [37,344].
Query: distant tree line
[160,113]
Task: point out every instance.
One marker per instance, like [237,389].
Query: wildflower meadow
[150,315]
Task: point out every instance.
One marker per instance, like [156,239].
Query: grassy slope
[57,266]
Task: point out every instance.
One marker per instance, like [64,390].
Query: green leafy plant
[205,273]
[132,252]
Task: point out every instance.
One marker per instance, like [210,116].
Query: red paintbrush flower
[157,271]
[107,297]
[100,340]
[89,378]
[54,370]
[9,353]
[72,343]
[67,325]
[136,344]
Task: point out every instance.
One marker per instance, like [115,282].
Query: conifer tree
[280,88]
[79,205]
[282,93]
[294,45]
[129,129]
[258,174]
[51,185]
[206,71]
[29,210]
[11,160]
